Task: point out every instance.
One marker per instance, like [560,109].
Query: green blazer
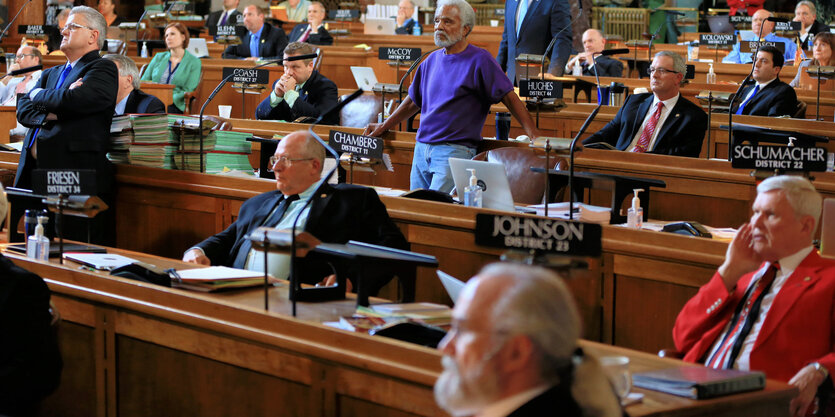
[186,76]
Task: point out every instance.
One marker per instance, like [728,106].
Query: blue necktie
[223,19]
[523,10]
[64,73]
[253,44]
[742,106]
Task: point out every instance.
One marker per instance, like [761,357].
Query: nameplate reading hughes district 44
[394,53]
[541,234]
[540,88]
[64,181]
[789,158]
[717,39]
[247,75]
[359,145]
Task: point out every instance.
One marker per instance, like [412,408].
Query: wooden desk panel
[8,121]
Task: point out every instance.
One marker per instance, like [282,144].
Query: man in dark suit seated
[312,32]
[512,350]
[583,64]
[404,19]
[529,27]
[130,99]
[769,96]
[229,16]
[770,306]
[262,41]
[338,213]
[300,92]
[660,122]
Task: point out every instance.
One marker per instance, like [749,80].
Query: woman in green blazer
[175,66]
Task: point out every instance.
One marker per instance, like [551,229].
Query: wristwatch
[820,368]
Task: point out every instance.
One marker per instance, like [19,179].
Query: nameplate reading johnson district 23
[540,88]
[394,53]
[716,39]
[247,75]
[64,181]
[788,158]
[541,234]
[359,145]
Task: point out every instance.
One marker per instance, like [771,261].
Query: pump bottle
[472,194]
[711,76]
[37,246]
[635,214]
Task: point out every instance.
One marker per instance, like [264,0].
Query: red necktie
[743,320]
[646,135]
[305,35]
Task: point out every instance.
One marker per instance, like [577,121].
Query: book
[699,382]
[215,278]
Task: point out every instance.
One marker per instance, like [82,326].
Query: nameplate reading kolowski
[540,89]
[344,14]
[247,75]
[64,181]
[399,53]
[359,145]
[789,158]
[542,234]
[751,46]
[31,30]
[717,39]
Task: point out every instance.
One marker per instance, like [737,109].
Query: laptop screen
[492,178]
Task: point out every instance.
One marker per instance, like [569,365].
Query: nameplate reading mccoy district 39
[541,234]
[359,145]
[394,53]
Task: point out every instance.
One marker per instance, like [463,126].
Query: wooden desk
[164,92]
[8,121]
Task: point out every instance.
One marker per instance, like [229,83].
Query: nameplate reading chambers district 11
[397,53]
[541,234]
[717,39]
[247,75]
[540,89]
[359,145]
[789,158]
[64,181]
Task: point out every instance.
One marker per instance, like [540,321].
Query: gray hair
[412,3]
[126,68]
[465,11]
[808,4]
[679,64]
[313,149]
[94,20]
[800,193]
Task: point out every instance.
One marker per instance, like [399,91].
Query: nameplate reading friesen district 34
[64,181]
[359,145]
[788,158]
[716,39]
[247,75]
[541,234]
[31,30]
[394,53]
[540,88]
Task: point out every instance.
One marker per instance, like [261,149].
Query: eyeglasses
[662,71]
[74,26]
[285,161]
[21,56]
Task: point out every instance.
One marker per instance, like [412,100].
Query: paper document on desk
[582,212]
[217,273]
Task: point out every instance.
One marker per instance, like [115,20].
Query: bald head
[593,41]
[759,22]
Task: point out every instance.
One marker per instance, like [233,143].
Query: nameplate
[787,26]
[540,89]
[788,158]
[225,30]
[740,19]
[247,75]
[64,181]
[177,6]
[717,39]
[498,12]
[540,234]
[359,145]
[751,46]
[399,53]
[31,30]
[344,14]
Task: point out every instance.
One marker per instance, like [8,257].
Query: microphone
[777,19]
[25,70]
[741,85]
[3,34]
[608,52]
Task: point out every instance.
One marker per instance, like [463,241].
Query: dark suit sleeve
[688,141]
[321,37]
[218,247]
[278,41]
[27,114]
[501,57]
[239,51]
[611,132]
[785,102]
[95,95]
[610,67]
[155,105]
[560,20]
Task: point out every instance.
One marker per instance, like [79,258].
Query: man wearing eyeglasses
[337,214]
[27,57]
[69,113]
[660,122]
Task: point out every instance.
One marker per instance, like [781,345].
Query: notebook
[699,382]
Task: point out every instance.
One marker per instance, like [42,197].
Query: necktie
[523,10]
[253,45]
[21,86]
[649,129]
[742,106]
[305,35]
[271,221]
[223,19]
[64,73]
[746,314]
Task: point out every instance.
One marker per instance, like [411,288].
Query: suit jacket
[798,329]
[606,67]
[775,99]
[816,27]
[30,363]
[232,20]
[271,46]
[316,96]
[544,19]
[407,28]
[681,134]
[321,37]
[555,398]
[186,77]
[338,214]
[141,102]
[80,137]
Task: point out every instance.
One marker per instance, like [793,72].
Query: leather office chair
[526,186]
[800,110]
[360,112]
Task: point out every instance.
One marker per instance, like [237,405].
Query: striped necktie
[270,221]
[649,129]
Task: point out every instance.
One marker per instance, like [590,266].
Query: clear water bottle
[417,30]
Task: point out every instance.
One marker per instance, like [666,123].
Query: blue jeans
[430,166]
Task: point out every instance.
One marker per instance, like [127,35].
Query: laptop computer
[380,26]
[103,261]
[453,285]
[492,178]
[365,77]
[198,47]
[828,228]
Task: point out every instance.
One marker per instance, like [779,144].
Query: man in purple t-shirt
[453,90]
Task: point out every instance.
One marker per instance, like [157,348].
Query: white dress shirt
[668,107]
[762,85]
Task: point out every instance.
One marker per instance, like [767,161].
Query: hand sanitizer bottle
[37,246]
[711,76]
[144,52]
[635,215]
[472,194]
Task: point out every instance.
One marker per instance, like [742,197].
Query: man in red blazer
[773,272]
